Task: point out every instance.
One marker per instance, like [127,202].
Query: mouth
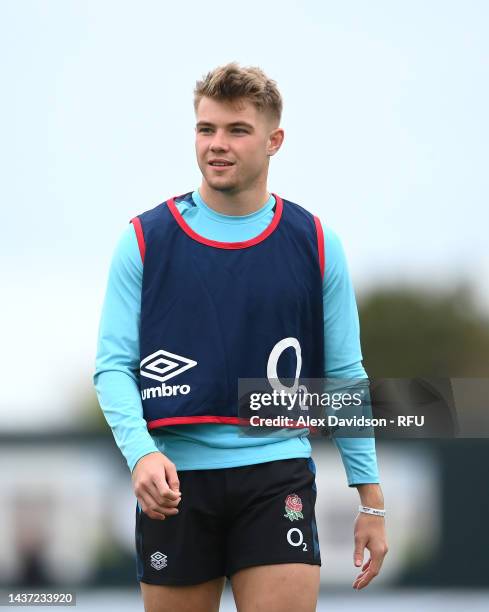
[220,165]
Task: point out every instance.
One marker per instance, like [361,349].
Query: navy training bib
[212,312]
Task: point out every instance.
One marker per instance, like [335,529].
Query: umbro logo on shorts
[158,560]
[162,365]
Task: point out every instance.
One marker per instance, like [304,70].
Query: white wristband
[368,510]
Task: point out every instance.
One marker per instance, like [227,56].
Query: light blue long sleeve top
[212,446]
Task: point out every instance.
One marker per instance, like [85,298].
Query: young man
[202,290]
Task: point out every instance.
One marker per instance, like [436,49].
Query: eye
[240,130]
[204,129]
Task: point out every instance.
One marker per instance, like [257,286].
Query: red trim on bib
[320,235]
[227,245]
[197,419]
[136,221]
[221,420]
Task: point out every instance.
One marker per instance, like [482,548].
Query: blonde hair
[232,83]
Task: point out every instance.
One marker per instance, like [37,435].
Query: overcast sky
[385,115]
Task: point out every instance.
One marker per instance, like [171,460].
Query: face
[241,137]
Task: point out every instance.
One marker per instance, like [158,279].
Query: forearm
[371,495]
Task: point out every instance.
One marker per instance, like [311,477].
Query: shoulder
[304,223]
[297,211]
[336,265]
[331,239]
[181,202]
[151,215]
[333,245]
[150,226]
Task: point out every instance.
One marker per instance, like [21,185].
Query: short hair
[232,83]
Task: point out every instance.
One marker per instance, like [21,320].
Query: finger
[170,503]
[167,506]
[172,477]
[360,581]
[165,494]
[148,506]
[361,575]
[171,495]
[364,580]
[358,552]
[371,571]
[376,558]
[158,490]
[154,510]
[358,586]
[165,510]
[151,498]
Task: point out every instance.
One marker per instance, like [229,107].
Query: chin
[224,188]
[221,185]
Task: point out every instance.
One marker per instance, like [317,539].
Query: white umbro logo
[162,365]
[158,560]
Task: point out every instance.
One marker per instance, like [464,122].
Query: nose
[219,142]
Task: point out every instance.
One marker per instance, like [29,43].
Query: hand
[156,486]
[369,533]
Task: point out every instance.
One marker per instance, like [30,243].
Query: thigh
[204,597]
[273,519]
[288,587]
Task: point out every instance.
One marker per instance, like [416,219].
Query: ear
[275,141]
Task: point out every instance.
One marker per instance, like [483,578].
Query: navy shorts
[229,519]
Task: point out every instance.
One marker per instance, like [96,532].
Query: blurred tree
[408,332]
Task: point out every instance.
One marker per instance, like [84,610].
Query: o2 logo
[272,375]
[295,537]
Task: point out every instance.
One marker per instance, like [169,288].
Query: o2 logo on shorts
[295,537]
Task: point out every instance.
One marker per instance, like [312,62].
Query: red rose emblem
[293,507]
[294,503]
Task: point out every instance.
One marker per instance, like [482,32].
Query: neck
[238,203]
